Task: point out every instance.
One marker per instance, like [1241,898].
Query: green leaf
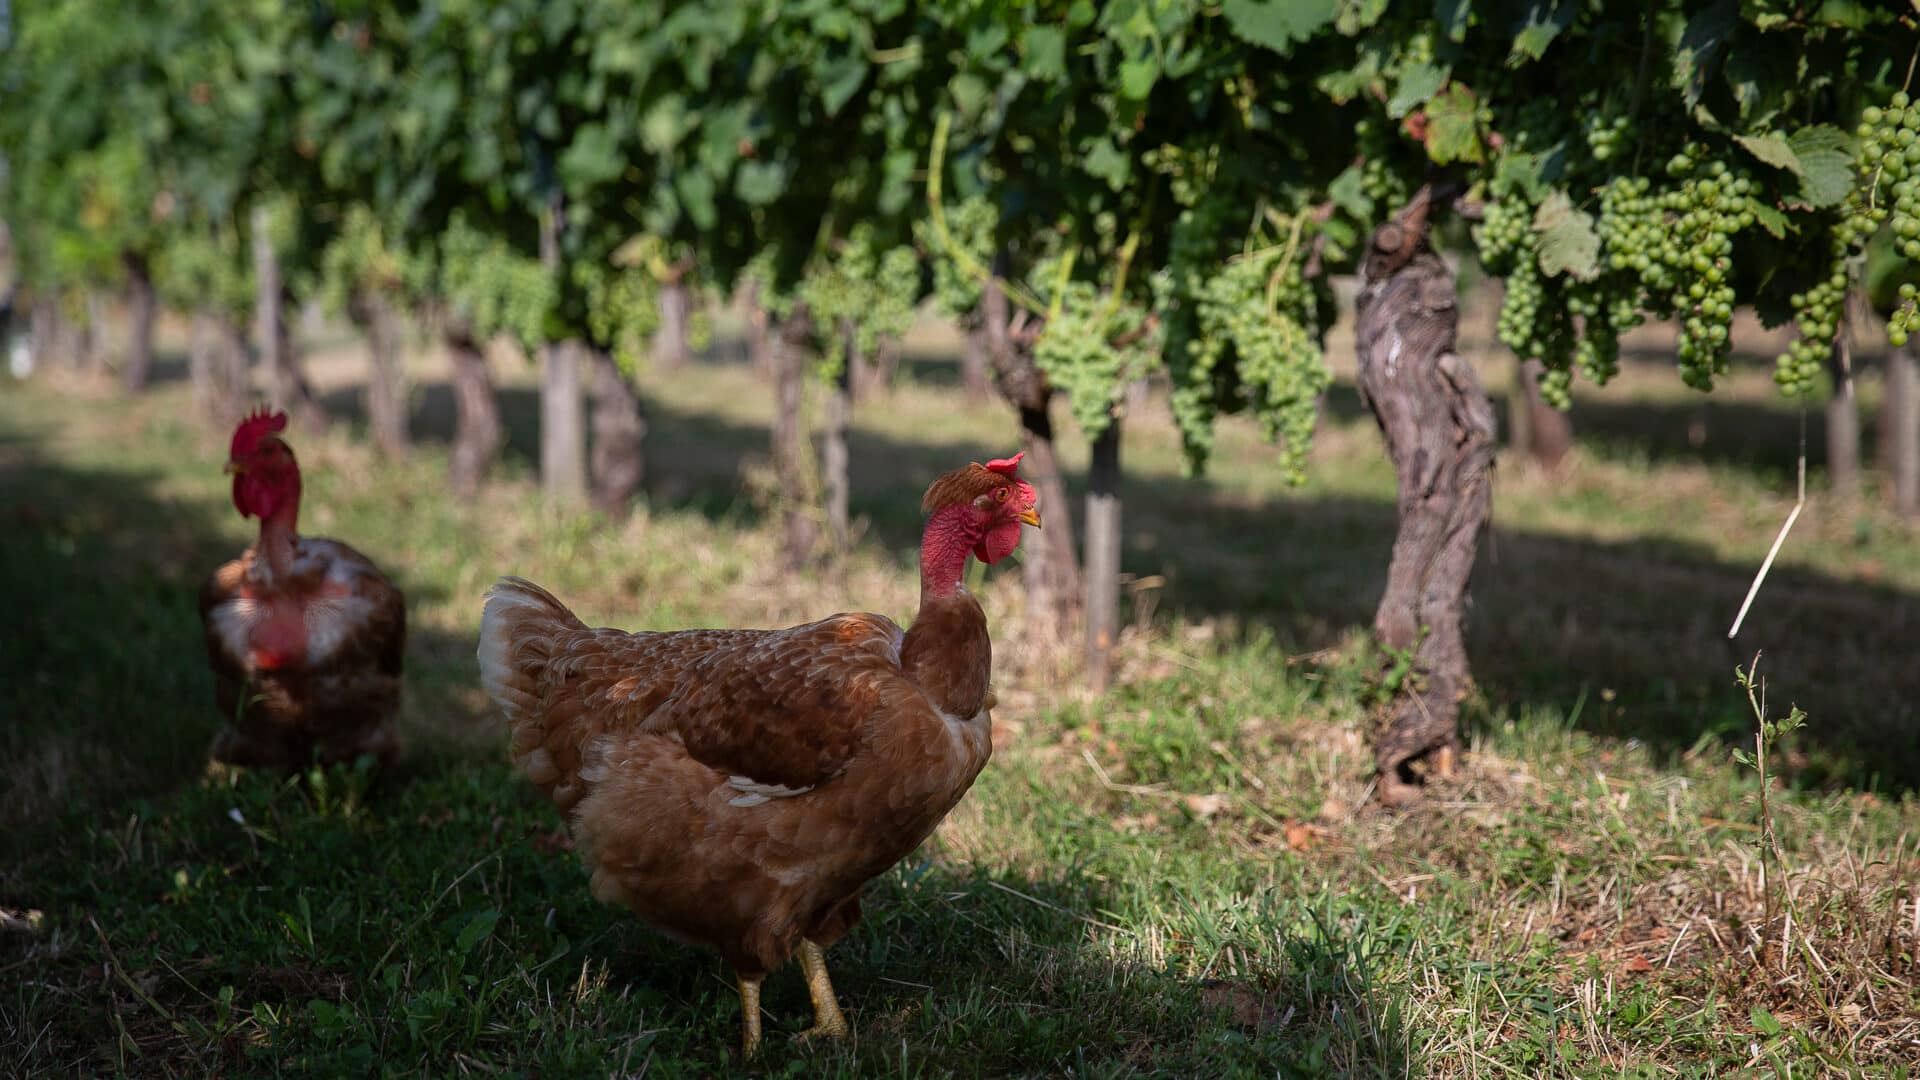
[1770,219]
[1772,148]
[760,182]
[840,79]
[1419,81]
[1524,170]
[1358,15]
[1566,242]
[1106,161]
[1046,53]
[1544,21]
[1452,131]
[476,930]
[1700,44]
[1826,164]
[1278,24]
[1451,15]
[1348,193]
[1137,77]
[1763,1022]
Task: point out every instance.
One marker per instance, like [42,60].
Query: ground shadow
[1629,638]
[103,673]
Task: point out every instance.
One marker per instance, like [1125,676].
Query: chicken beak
[233,468]
[1030,517]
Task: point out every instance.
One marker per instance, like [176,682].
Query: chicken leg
[750,1017]
[828,1021]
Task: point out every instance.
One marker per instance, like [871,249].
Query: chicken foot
[828,1021]
[750,1017]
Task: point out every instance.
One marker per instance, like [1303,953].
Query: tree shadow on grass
[1628,639]
[103,672]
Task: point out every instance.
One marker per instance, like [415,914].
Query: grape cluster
[500,290]
[970,228]
[1606,135]
[1094,344]
[1505,234]
[1380,181]
[866,287]
[1243,332]
[1889,154]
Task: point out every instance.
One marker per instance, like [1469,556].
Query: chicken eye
[1001,494]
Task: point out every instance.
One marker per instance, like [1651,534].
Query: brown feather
[737,788]
[337,702]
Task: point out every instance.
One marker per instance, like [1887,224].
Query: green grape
[1243,333]
[1887,158]
[862,288]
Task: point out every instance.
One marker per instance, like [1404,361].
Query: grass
[1184,878]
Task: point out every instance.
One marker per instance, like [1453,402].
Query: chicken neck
[277,536]
[952,532]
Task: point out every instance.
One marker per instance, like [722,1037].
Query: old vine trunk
[386,391]
[787,356]
[563,429]
[1439,428]
[142,307]
[619,430]
[287,386]
[477,433]
[835,457]
[1050,561]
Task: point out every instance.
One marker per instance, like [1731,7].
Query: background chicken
[305,636]
[737,788]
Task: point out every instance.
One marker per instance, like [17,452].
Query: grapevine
[1889,157]
[863,286]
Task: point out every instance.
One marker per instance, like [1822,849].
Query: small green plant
[1766,737]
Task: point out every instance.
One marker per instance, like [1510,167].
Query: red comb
[1006,466]
[258,425]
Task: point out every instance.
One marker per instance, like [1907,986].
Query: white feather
[753,793]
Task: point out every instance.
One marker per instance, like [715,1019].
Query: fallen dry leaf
[1301,836]
[1205,806]
[1637,964]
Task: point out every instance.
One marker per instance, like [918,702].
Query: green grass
[1184,878]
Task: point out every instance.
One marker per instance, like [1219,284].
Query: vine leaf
[1277,24]
[1452,133]
[1700,45]
[1543,23]
[1046,53]
[1418,83]
[1825,154]
[1567,242]
[1771,147]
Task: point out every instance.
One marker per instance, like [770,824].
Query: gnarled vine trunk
[386,389]
[142,307]
[671,350]
[1439,428]
[973,359]
[217,362]
[477,432]
[787,356]
[619,431]
[1901,417]
[1843,420]
[563,429]
[1541,433]
[287,386]
[835,458]
[1050,562]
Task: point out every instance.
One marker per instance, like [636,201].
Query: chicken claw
[750,1017]
[829,1021]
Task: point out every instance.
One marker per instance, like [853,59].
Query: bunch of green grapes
[1270,315]
[864,287]
[1537,323]
[1889,155]
[1192,354]
[1093,345]
[1504,236]
[1380,181]
[957,286]
[623,309]
[1605,135]
[500,290]
[203,268]
[359,259]
[1689,267]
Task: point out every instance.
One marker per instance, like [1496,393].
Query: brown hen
[305,636]
[737,788]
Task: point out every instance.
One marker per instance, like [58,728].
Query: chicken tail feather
[522,633]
